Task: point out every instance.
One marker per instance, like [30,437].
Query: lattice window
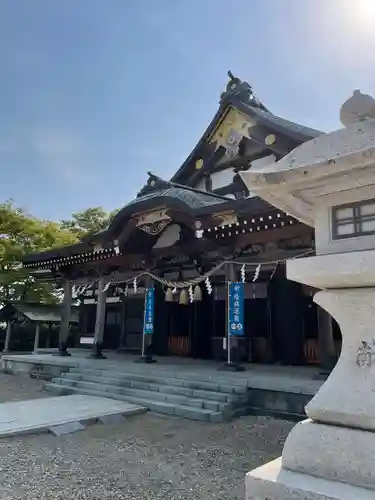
[355,219]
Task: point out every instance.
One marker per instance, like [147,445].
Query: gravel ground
[20,387]
[146,457]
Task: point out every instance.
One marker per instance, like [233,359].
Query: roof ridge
[156,183]
[198,191]
[243,91]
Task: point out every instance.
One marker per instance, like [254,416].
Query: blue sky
[95,93]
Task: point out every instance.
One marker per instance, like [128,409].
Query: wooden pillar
[37,334]
[65,319]
[123,325]
[82,318]
[7,336]
[100,320]
[48,336]
[231,273]
[325,339]
[161,324]
[287,324]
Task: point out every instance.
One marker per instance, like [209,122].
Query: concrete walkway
[42,415]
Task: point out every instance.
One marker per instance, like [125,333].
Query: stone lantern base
[272,482]
[331,455]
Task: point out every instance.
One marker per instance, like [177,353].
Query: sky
[96,93]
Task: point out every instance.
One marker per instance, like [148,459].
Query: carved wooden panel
[155,228]
[230,131]
[153,222]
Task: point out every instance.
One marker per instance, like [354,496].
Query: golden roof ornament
[199,164]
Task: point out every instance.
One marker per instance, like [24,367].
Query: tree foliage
[89,221]
[22,234]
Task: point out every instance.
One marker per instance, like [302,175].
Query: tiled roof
[302,132]
[193,199]
[243,99]
[44,313]
[59,252]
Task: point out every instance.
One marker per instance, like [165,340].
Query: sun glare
[358,17]
[362,13]
[364,10]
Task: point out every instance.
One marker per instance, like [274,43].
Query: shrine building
[188,237]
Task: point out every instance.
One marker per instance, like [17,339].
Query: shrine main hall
[189,236]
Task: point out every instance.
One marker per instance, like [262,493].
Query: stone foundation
[272,482]
[43,371]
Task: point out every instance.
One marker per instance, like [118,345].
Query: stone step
[149,395]
[150,370]
[151,378]
[108,379]
[163,407]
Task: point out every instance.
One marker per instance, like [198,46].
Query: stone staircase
[178,394]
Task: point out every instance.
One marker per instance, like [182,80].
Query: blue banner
[148,325]
[236,309]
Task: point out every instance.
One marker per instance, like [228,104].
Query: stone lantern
[329,183]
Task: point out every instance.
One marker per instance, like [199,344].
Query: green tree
[22,234]
[89,221]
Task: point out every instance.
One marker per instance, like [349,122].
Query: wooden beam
[181,217]
[282,144]
[128,228]
[242,162]
[272,235]
[194,249]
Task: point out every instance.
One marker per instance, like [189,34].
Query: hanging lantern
[135,286]
[126,290]
[191,294]
[184,299]
[168,295]
[198,293]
